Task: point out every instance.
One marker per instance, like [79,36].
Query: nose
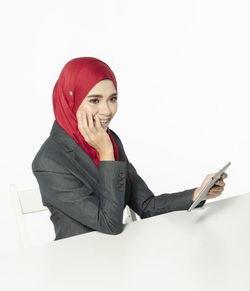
[104,110]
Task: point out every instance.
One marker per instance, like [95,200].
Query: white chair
[130,215]
[29,201]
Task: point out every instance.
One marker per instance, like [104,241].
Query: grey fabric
[82,197]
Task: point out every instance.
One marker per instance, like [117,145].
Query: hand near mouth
[93,132]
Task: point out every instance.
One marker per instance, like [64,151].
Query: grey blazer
[82,197]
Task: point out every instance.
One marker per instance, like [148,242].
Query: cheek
[90,109]
[114,108]
[86,109]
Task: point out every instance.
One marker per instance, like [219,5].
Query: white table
[206,249]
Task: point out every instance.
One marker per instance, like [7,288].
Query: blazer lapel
[81,163]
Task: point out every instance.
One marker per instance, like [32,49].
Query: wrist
[106,155]
[196,191]
[105,149]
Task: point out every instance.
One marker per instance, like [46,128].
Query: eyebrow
[97,95]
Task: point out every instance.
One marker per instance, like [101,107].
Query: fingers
[82,125]
[98,122]
[86,125]
[224,176]
[210,196]
[220,182]
[216,189]
[214,192]
[84,121]
[90,121]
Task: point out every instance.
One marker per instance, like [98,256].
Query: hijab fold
[76,79]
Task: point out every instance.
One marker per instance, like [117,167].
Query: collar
[63,137]
[74,150]
[58,133]
[77,154]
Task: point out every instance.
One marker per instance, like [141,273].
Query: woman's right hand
[94,134]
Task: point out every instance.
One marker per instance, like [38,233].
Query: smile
[104,122]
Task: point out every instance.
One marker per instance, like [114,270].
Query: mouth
[104,122]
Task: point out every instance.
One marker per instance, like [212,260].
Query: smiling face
[101,101]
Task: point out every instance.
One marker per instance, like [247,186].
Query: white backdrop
[182,69]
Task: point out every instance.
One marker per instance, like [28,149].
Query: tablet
[208,186]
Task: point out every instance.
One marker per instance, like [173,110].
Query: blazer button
[121,174]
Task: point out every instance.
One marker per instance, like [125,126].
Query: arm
[100,209]
[144,202]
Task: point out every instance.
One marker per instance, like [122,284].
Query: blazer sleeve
[143,201]
[100,209]
[146,204]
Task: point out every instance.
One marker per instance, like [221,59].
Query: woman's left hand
[215,191]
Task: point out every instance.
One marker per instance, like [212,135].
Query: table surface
[205,249]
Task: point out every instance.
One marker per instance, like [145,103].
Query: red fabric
[79,76]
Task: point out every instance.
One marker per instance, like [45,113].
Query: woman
[84,175]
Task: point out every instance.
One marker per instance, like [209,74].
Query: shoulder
[114,135]
[116,138]
[49,157]
[119,144]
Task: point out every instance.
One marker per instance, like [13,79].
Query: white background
[182,69]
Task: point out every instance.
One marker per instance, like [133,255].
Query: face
[104,105]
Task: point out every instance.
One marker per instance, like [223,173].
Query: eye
[93,100]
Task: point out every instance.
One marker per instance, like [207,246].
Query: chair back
[29,202]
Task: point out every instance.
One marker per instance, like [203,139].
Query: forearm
[168,202]
[100,207]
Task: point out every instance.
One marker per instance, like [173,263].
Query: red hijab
[76,79]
